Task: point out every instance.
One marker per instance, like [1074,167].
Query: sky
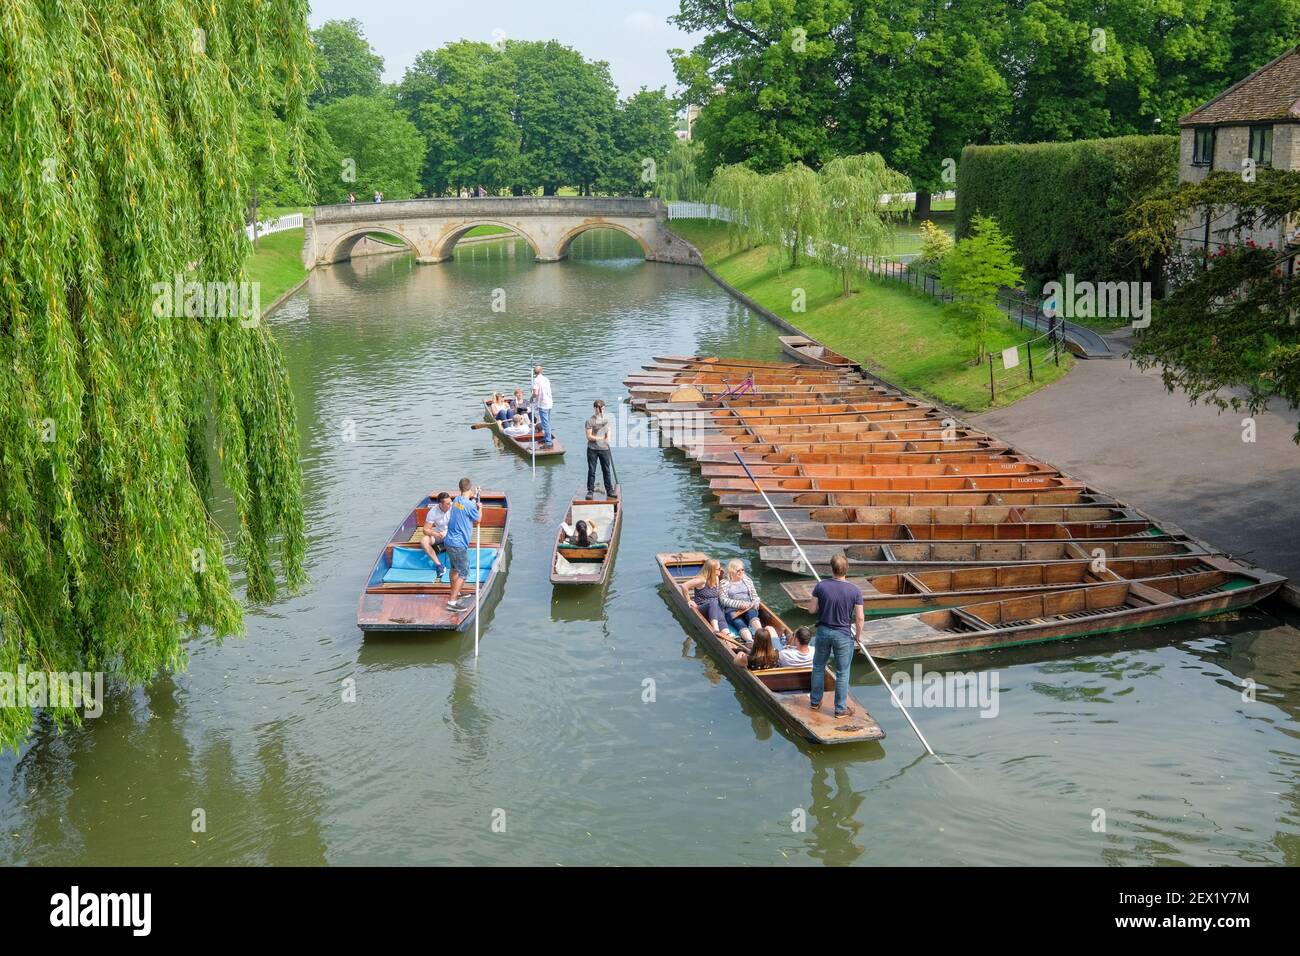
[633,37]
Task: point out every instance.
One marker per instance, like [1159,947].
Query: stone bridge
[431,227]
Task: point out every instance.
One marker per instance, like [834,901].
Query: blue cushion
[412,566]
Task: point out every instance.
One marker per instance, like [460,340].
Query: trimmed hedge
[1064,203]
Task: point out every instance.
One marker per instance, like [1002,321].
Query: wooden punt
[713,361]
[590,566]
[705,449]
[867,458]
[1068,614]
[726,415]
[811,534]
[523,445]
[814,353]
[783,691]
[907,556]
[748,402]
[956,483]
[960,514]
[986,468]
[917,499]
[887,595]
[835,419]
[409,597]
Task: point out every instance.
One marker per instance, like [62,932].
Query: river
[592,732]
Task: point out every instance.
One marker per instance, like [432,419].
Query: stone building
[1251,125]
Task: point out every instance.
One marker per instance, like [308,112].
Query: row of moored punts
[957,540]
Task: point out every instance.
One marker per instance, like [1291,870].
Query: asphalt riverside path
[1116,427]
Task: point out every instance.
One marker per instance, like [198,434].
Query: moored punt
[957,483]
[783,691]
[833,419]
[961,514]
[814,353]
[405,593]
[865,442]
[1072,613]
[866,458]
[813,534]
[713,361]
[527,447]
[939,555]
[571,564]
[733,500]
[887,595]
[986,468]
[752,402]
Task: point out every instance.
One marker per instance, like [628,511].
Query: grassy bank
[904,337]
[276,263]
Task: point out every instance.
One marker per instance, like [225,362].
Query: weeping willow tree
[739,189]
[122,173]
[792,211]
[857,224]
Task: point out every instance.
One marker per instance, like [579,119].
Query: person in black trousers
[598,432]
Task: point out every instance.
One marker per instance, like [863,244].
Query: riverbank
[906,338]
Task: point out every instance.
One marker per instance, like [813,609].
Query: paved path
[1116,427]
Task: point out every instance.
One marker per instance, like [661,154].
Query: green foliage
[346,63]
[1229,322]
[385,150]
[1066,203]
[856,226]
[679,177]
[123,165]
[837,214]
[976,268]
[917,81]
[936,243]
[643,142]
[522,116]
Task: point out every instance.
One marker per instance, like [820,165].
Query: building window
[1203,148]
[1261,145]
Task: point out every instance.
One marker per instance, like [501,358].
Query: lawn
[276,263]
[904,337]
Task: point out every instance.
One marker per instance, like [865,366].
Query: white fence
[268,226]
[698,210]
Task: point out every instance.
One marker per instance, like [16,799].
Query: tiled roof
[1270,93]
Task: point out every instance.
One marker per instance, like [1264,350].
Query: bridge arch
[562,247]
[341,249]
[446,243]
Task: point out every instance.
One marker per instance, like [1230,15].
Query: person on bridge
[598,429]
[352,198]
[543,403]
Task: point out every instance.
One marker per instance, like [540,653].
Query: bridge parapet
[549,224]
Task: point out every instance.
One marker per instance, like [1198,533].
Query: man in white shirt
[435,527]
[543,403]
[797,653]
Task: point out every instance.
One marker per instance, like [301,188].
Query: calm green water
[547,729]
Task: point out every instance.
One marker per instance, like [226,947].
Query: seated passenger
[797,653]
[583,534]
[435,527]
[740,600]
[763,653]
[500,408]
[520,405]
[705,597]
[518,426]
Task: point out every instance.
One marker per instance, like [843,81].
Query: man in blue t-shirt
[838,606]
[465,514]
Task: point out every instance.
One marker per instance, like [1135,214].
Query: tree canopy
[522,116]
[917,81]
[377,149]
[124,172]
[345,62]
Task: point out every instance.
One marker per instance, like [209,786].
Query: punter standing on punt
[460,529]
[598,429]
[838,606]
[543,402]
